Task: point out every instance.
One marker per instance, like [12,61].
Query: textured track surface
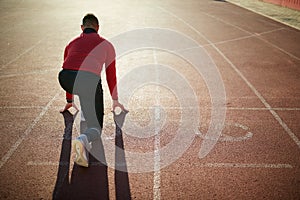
[258,60]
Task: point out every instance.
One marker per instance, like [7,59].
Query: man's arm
[111,77]
[69,97]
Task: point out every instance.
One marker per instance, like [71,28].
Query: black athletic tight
[89,89]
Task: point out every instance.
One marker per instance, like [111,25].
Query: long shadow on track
[91,182]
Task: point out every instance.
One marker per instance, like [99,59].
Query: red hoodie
[89,52]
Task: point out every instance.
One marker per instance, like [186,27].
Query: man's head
[90,21]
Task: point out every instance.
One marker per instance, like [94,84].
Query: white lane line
[261,98]
[251,35]
[245,37]
[277,47]
[245,165]
[167,107]
[225,22]
[203,165]
[241,29]
[14,147]
[232,40]
[20,107]
[278,109]
[228,108]
[28,73]
[260,13]
[228,138]
[19,56]
[270,31]
[156,176]
[46,163]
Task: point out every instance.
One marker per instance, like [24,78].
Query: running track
[258,60]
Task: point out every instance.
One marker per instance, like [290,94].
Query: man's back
[88,52]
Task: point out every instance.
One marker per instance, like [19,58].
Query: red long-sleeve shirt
[89,52]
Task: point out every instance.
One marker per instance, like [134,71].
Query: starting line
[202,165]
[246,165]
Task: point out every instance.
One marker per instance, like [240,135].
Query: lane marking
[270,31]
[202,165]
[173,108]
[261,98]
[28,73]
[230,40]
[245,165]
[278,109]
[46,163]
[20,55]
[225,22]
[277,47]
[20,107]
[156,176]
[258,35]
[228,138]
[15,146]
[267,16]
[245,37]
[233,40]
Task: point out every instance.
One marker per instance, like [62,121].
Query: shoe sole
[80,151]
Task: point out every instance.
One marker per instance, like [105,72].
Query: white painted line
[252,10]
[232,40]
[245,165]
[225,22]
[47,163]
[278,109]
[277,47]
[204,165]
[271,31]
[19,56]
[20,107]
[156,176]
[28,73]
[241,29]
[185,107]
[167,107]
[229,138]
[14,147]
[261,98]
[244,37]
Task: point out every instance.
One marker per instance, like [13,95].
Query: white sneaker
[80,146]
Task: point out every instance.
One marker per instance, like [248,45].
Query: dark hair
[90,20]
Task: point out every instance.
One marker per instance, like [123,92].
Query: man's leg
[92,107]
[86,86]
[91,101]
[67,79]
[89,89]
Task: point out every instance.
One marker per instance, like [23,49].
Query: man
[84,58]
